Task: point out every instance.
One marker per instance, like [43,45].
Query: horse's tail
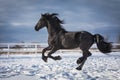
[104,47]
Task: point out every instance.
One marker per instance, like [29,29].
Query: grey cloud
[16,15]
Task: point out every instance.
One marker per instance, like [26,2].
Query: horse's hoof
[79,60]
[59,58]
[44,58]
[79,68]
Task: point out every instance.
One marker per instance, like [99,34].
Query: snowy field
[31,67]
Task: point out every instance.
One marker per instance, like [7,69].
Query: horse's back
[73,39]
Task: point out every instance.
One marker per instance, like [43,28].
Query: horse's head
[45,18]
[41,23]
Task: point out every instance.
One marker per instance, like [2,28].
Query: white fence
[32,47]
[21,47]
[27,47]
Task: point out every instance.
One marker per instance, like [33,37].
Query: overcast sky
[18,18]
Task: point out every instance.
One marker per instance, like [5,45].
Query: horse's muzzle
[37,29]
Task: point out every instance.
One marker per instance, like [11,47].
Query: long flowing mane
[55,20]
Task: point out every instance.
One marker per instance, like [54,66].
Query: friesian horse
[59,38]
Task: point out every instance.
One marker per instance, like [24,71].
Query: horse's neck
[51,29]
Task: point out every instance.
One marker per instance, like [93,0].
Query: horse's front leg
[53,50]
[43,53]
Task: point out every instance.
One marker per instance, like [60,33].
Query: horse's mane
[54,17]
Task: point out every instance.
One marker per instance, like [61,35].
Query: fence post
[8,50]
[35,48]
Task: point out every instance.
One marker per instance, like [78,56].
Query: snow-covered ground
[32,67]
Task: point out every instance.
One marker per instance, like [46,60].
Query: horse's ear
[43,15]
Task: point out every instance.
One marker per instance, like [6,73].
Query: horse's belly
[69,44]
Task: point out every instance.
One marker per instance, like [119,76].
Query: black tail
[104,47]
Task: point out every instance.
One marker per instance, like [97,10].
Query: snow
[32,67]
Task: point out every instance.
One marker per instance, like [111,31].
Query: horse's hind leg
[85,46]
[82,63]
[83,59]
[79,60]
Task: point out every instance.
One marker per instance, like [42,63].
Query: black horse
[59,38]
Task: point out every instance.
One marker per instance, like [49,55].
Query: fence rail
[32,47]
[21,47]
